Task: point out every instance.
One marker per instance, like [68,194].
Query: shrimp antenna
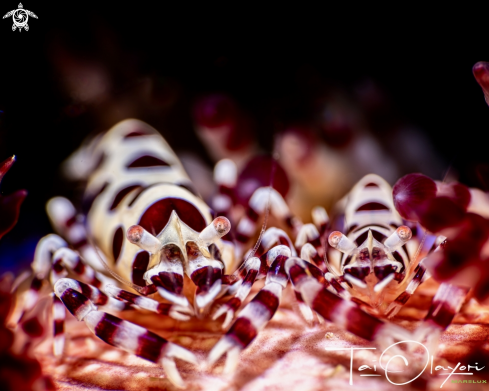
[265,217]
[113,273]
[267,210]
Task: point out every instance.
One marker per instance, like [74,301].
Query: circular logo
[20,17]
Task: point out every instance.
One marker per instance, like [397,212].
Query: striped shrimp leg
[342,312]
[42,266]
[271,238]
[243,279]
[123,334]
[246,273]
[421,274]
[206,273]
[31,297]
[310,254]
[51,254]
[95,295]
[248,276]
[308,242]
[276,237]
[59,315]
[254,268]
[318,274]
[445,305]
[175,311]
[66,259]
[54,258]
[345,245]
[65,221]
[255,315]
[257,206]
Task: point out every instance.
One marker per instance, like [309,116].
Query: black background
[257,53]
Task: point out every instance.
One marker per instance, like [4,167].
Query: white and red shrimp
[143,227]
[450,215]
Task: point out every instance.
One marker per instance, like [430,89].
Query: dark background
[265,56]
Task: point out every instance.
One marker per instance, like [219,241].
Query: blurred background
[333,93]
